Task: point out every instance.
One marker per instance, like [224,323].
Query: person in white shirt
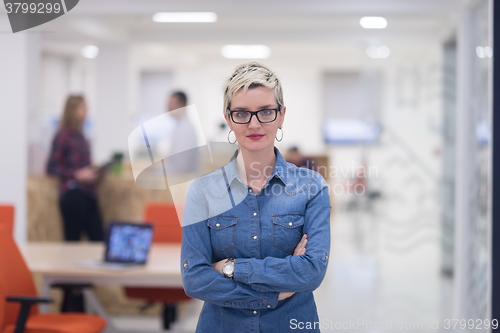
[184,139]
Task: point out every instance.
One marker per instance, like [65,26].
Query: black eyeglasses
[263,116]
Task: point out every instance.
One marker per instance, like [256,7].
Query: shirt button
[254,214]
[217,225]
[254,312]
[268,306]
[254,237]
[290,223]
[185,265]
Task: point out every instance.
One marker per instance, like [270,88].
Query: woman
[256,233]
[70,161]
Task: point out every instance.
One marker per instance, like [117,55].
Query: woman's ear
[228,121]
[283,111]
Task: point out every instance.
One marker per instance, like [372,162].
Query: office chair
[167,229]
[17,286]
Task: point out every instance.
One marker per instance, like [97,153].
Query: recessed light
[480,52]
[484,52]
[245,51]
[90,51]
[373,22]
[488,51]
[185,17]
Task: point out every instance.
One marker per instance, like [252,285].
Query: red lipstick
[255,136]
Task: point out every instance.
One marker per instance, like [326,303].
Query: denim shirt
[261,231]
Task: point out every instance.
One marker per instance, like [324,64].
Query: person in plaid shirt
[70,161]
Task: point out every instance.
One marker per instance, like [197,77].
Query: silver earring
[228,134]
[279,140]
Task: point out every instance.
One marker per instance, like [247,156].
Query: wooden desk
[58,263]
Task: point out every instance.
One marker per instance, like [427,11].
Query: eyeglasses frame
[254,113]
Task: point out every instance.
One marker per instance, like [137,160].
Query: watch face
[228,268]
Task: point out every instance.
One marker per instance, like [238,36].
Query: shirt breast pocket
[222,232]
[287,231]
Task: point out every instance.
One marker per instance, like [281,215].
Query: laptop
[127,246]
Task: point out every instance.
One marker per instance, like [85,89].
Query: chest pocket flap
[222,232]
[287,231]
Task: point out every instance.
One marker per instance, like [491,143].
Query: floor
[382,276]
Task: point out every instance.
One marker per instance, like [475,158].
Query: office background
[423,244]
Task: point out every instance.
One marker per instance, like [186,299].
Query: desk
[57,263]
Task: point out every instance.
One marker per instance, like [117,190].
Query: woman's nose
[254,122]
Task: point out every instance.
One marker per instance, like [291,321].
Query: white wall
[19,65]
[112,115]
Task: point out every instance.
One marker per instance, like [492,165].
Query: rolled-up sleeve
[200,280]
[294,273]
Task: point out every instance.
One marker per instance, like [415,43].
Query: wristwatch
[228,268]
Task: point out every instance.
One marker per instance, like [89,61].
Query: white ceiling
[276,7]
[256,21]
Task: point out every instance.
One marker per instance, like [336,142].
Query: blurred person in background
[184,138]
[70,161]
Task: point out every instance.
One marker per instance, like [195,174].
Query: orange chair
[7,215]
[16,286]
[167,229]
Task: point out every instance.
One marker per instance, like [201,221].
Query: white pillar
[112,102]
[467,262]
[19,64]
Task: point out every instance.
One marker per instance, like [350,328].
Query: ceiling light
[90,51]
[480,52]
[378,52]
[484,52]
[245,51]
[198,17]
[373,22]
[488,51]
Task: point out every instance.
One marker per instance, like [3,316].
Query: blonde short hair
[248,76]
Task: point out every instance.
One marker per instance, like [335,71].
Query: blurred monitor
[350,131]
[128,243]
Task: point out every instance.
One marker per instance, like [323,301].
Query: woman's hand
[218,265]
[300,249]
[284,295]
[87,175]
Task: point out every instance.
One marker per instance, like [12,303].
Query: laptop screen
[128,242]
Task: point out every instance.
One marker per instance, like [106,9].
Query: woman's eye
[266,112]
[241,114]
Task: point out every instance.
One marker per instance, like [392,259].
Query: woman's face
[81,111]
[255,136]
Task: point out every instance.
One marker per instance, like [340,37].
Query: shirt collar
[280,170]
